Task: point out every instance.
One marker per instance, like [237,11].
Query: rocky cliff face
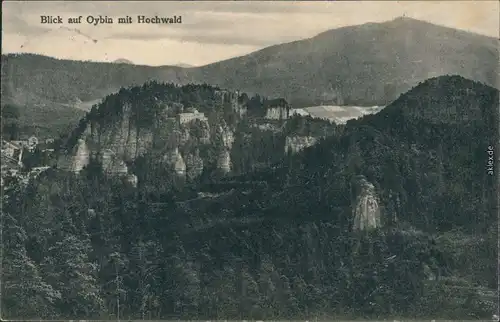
[178,144]
[111,163]
[81,157]
[225,135]
[132,179]
[174,161]
[224,161]
[296,144]
[204,135]
[185,129]
[366,208]
[194,164]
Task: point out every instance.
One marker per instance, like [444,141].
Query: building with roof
[187,117]
[12,153]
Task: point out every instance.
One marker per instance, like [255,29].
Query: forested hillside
[53,93]
[277,243]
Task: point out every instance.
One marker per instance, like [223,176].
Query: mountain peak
[406,19]
[123,61]
[409,22]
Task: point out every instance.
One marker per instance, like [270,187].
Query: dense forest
[10,122]
[275,243]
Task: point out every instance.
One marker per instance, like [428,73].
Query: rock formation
[106,158]
[225,136]
[119,167]
[295,144]
[124,139]
[174,161]
[194,165]
[132,179]
[180,166]
[224,161]
[123,128]
[81,157]
[204,137]
[112,164]
[184,135]
[366,208]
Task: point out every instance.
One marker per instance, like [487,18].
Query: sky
[211,30]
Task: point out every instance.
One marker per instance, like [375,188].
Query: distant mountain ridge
[369,64]
[363,65]
[126,61]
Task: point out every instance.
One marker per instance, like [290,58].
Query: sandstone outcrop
[123,140]
[366,207]
[174,161]
[194,165]
[127,126]
[296,144]
[224,161]
[132,179]
[81,157]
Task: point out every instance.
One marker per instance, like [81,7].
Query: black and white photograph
[250,160]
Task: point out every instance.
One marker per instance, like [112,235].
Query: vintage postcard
[250,160]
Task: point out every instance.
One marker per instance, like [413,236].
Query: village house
[30,143]
[12,153]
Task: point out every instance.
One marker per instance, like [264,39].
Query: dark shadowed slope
[426,153]
[66,81]
[52,93]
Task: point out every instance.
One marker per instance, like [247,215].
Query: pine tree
[143,268]
[69,271]
[25,295]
